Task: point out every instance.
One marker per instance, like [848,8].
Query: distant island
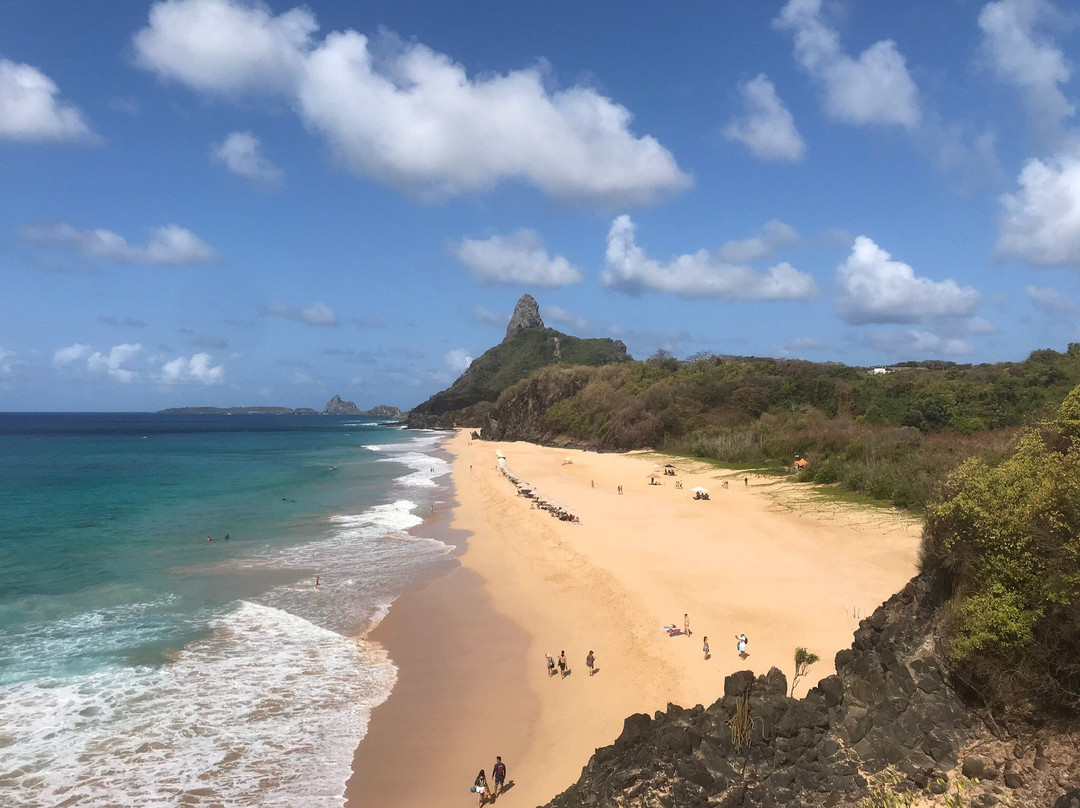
[333,407]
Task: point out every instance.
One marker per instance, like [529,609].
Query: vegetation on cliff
[894,436]
[467,401]
[1008,538]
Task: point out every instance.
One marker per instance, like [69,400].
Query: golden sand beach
[760,557]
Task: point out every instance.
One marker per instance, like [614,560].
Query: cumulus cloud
[30,109]
[226,47]
[458,360]
[699,275]
[773,236]
[1050,300]
[98,363]
[488,317]
[978,325]
[1021,55]
[519,259]
[766,126]
[567,319]
[874,88]
[408,116]
[169,245]
[241,153]
[914,344]
[316,314]
[199,369]
[872,288]
[1041,221]
[72,353]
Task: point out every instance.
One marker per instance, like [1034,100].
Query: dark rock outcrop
[526,315]
[336,406]
[891,711]
[385,411]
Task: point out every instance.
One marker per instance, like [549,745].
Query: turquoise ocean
[142,665]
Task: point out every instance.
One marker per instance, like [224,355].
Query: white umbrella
[698,489]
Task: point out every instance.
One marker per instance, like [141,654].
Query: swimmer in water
[226,537]
[209,539]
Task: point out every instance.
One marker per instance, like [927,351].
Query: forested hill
[891,434]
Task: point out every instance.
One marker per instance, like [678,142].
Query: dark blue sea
[142,665]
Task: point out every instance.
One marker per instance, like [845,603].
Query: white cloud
[913,344]
[800,345]
[198,369]
[1050,300]
[317,313]
[7,361]
[766,127]
[72,353]
[519,259]
[241,153]
[112,362]
[30,109]
[1026,59]
[700,275]
[169,245]
[488,317]
[872,288]
[1041,221]
[978,325]
[226,47]
[874,88]
[773,236]
[567,319]
[408,116]
[458,360]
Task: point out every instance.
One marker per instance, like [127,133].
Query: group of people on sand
[740,646]
[483,790]
[564,669]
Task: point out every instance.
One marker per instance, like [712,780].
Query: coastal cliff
[891,722]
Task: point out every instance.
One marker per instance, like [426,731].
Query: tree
[803,660]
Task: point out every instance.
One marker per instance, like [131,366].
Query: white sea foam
[266,711]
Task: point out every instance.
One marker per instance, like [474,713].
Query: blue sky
[222,202]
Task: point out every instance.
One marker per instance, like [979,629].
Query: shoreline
[470,645]
[416,741]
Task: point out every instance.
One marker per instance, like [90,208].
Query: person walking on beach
[498,774]
[551,666]
[480,785]
[562,663]
[686,624]
[705,647]
[740,643]
[746,481]
[590,663]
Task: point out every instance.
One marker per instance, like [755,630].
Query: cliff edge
[890,722]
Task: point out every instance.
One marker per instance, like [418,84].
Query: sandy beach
[760,557]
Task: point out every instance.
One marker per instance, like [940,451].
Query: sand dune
[762,559]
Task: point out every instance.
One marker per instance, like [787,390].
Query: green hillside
[519,355]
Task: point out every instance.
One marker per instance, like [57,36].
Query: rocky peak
[336,406]
[526,315]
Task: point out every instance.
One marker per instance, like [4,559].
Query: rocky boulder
[526,315]
[336,406]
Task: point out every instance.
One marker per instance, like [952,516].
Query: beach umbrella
[654,476]
[699,490]
[669,466]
